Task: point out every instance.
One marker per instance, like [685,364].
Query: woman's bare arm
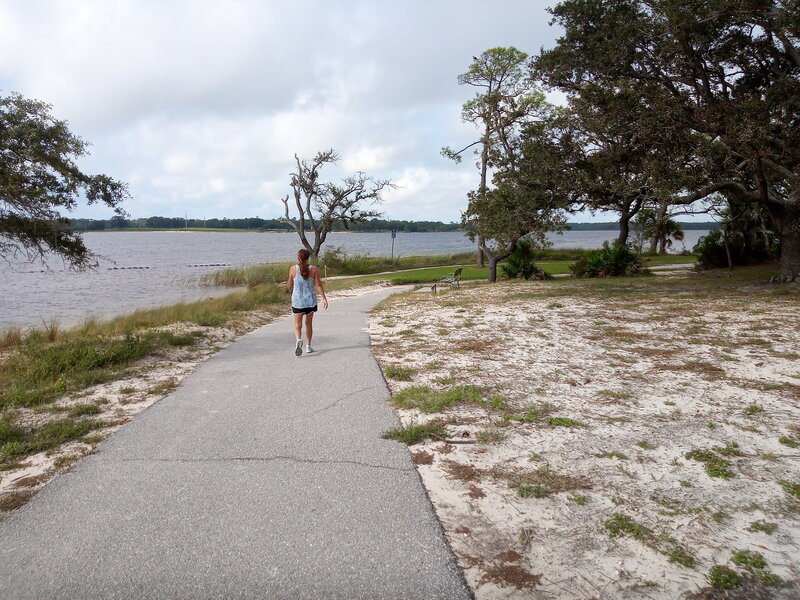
[318,283]
[290,281]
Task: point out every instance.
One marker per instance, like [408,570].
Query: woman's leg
[298,326]
[309,327]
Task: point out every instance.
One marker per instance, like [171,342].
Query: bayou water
[148,269]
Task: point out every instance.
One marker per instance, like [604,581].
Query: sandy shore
[600,410]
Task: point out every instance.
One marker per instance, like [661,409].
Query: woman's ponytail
[303,256]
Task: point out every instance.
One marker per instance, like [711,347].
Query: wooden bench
[453,279]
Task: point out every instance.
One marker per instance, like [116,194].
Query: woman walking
[303,282]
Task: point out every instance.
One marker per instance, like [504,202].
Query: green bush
[521,264]
[611,260]
[746,249]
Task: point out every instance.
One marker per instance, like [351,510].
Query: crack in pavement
[310,461]
[344,397]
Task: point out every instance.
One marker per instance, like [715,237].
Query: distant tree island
[118,223]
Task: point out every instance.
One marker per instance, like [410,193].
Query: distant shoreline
[702,226]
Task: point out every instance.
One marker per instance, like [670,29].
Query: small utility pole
[394,235]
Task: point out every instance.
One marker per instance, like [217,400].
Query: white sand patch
[634,383]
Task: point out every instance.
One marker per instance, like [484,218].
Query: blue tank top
[304,294]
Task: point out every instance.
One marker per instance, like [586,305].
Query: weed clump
[618,455]
[532,491]
[723,578]
[399,373]
[19,442]
[620,524]
[413,433]
[714,465]
[428,400]
[563,422]
[763,526]
[790,487]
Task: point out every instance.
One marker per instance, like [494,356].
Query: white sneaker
[298,348]
[309,349]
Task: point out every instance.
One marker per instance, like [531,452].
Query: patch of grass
[789,441]
[497,402]
[414,432]
[714,465]
[563,422]
[47,436]
[645,445]
[615,454]
[490,436]
[532,414]
[756,565]
[722,577]
[399,373]
[578,499]
[763,526]
[730,449]
[679,555]
[790,487]
[163,388]
[620,524]
[428,400]
[532,491]
[749,559]
[754,409]
[80,410]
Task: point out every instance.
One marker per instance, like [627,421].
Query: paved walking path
[262,476]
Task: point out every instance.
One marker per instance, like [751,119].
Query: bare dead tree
[321,205]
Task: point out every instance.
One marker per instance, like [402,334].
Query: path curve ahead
[262,476]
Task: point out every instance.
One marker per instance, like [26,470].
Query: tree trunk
[727,248]
[627,212]
[479,254]
[492,269]
[787,225]
[653,244]
[624,229]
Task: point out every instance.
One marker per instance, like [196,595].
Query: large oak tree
[725,70]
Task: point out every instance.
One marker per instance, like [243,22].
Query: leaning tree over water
[39,179]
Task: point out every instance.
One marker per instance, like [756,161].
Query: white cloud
[201,105]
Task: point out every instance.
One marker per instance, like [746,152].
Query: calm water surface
[148,269]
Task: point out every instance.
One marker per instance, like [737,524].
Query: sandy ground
[119,401]
[569,476]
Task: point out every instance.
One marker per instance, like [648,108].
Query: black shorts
[304,311]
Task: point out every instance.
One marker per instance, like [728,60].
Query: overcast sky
[201,105]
